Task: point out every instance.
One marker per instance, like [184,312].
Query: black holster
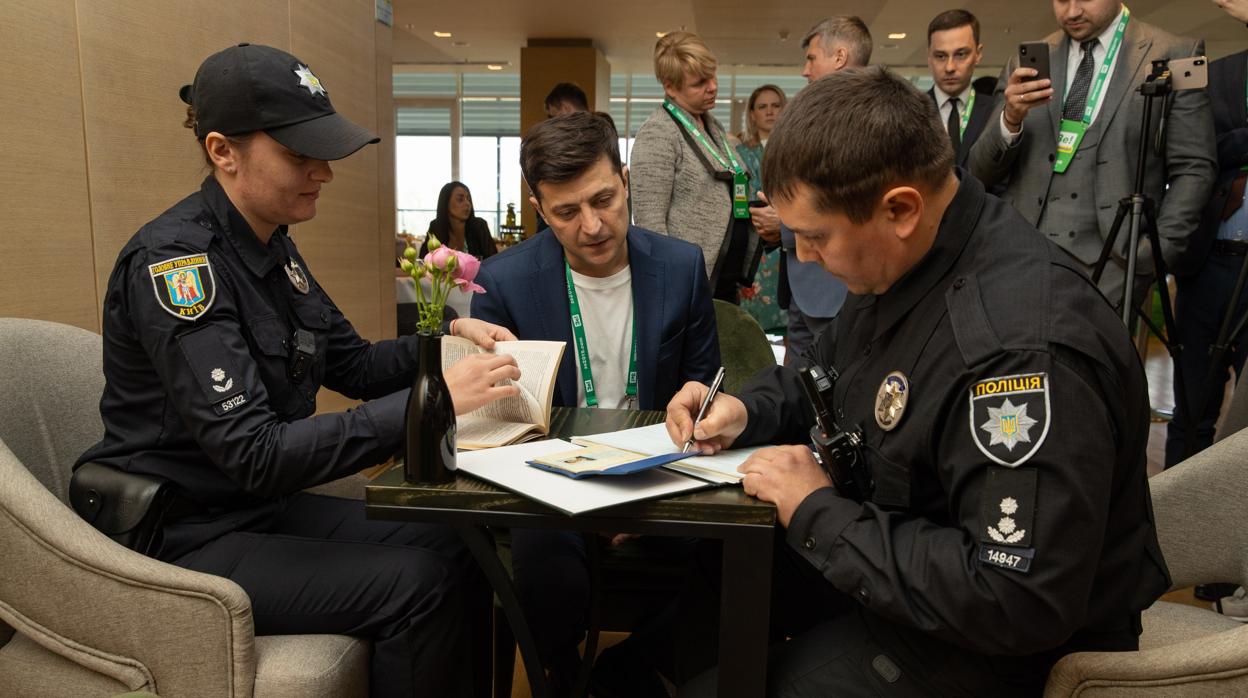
[130,508]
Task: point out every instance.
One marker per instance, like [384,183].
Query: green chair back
[742,345]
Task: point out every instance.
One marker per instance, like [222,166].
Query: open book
[513,419]
[653,440]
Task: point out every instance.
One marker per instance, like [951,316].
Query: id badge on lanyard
[1071,134]
[740,199]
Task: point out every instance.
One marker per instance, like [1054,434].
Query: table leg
[744,613]
[481,543]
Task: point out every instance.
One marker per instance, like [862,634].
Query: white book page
[474,432]
[537,361]
[653,440]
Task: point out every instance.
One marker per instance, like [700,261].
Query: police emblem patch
[1009,416]
[298,279]
[184,286]
[310,81]
[891,399]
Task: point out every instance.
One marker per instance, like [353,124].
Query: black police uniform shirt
[1011,513]
[200,361]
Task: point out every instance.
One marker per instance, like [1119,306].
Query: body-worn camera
[839,451]
[304,355]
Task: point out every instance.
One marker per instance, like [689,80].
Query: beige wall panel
[135,56]
[543,67]
[385,177]
[46,266]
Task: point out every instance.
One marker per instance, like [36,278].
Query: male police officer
[1001,410]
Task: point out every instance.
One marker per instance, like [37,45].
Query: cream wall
[93,143]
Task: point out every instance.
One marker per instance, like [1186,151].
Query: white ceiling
[745,34]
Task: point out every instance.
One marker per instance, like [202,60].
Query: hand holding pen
[718,420]
[706,403]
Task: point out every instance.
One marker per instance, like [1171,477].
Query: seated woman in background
[761,111]
[457,224]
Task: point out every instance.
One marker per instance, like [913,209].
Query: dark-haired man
[565,98]
[1099,57]
[1000,406]
[953,53]
[635,309]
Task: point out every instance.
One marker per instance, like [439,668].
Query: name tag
[1068,144]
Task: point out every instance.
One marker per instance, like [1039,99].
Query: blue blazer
[526,292]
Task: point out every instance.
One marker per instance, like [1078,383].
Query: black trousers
[1201,301]
[837,648]
[318,566]
[551,570]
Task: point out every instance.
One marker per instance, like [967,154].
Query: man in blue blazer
[635,309]
[589,239]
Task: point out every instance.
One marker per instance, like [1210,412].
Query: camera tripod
[1141,213]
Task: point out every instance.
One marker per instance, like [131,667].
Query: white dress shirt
[1073,57]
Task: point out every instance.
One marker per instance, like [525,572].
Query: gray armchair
[88,617]
[1184,651]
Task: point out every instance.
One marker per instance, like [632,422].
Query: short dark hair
[569,93]
[952,19]
[846,29]
[559,149]
[851,135]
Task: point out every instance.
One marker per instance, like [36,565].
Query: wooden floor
[1159,369]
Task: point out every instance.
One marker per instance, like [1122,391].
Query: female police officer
[216,340]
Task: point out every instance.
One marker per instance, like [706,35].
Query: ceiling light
[459,44]
[660,35]
[889,46]
[897,35]
[493,66]
[442,35]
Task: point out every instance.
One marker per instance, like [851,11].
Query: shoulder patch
[1009,416]
[184,286]
[1007,516]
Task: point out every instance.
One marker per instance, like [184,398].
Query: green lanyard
[740,180]
[582,349]
[966,114]
[1072,131]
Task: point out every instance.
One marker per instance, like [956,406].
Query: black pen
[706,405]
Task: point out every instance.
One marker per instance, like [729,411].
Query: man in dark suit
[1074,204]
[953,53]
[635,309]
[1218,250]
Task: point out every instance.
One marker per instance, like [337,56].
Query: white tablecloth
[405,292]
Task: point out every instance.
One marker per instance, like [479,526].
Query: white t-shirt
[607,314]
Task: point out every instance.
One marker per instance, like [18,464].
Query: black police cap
[250,87]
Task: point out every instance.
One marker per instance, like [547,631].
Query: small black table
[745,524]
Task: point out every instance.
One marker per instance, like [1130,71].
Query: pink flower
[437,259]
[466,273]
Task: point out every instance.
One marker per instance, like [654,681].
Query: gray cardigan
[674,194]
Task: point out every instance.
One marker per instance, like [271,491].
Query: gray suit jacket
[1187,163]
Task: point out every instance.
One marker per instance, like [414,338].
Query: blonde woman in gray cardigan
[684,171]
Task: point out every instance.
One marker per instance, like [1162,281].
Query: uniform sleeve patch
[184,286]
[1008,507]
[214,369]
[1016,559]
[1007,517]
[1009,416]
